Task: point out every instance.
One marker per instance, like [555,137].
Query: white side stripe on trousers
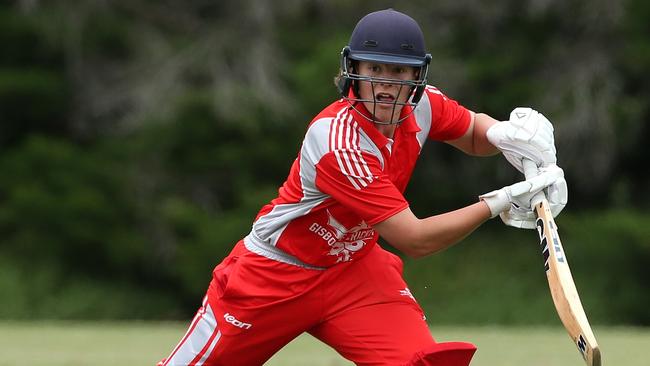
[200,333]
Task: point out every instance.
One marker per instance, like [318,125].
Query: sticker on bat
[559,252]
[582,346]
[543,242]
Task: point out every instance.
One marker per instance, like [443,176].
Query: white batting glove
[526,135]
[514,201]
[556,195]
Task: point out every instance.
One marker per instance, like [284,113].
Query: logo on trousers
[239,324]
[407,292]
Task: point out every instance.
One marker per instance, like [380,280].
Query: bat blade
[563,290]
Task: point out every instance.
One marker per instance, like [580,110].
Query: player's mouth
[384,98]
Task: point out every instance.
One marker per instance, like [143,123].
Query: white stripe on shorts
[201,331]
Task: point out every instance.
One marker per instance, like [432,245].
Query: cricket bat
[563,289]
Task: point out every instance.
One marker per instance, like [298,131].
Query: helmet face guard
[349,79]
[385,37]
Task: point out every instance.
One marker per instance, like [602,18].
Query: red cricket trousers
[254,306]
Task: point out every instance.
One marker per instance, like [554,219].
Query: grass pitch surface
[144,343]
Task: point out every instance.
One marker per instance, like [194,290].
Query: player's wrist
[497,201]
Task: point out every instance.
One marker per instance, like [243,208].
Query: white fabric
[526,135]
[201,338]
[514,201]
[556,195]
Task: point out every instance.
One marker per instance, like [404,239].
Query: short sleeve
[449,119]
[354,179]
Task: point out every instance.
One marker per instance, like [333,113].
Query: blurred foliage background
[139,138]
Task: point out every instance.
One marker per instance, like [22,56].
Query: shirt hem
[256,245]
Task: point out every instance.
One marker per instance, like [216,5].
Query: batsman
[311,262]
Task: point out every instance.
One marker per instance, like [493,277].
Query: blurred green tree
[138,139]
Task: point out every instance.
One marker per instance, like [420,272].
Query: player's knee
[444,354]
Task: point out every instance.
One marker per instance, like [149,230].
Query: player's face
[385,94]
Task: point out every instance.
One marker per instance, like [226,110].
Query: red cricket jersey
[348,177]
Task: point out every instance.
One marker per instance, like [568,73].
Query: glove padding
[513,203]
[526,135]
[556,195]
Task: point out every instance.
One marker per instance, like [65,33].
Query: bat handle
[530,171]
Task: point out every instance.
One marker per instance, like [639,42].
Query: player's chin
[384,107]
[388,111]
[383,112]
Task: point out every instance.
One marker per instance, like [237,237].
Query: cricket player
[311,262]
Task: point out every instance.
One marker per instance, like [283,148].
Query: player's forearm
[439,232]
[421,237]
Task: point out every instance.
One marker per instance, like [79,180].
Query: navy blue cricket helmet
[390,37]
[387,37]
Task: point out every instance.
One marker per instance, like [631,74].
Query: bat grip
[530,171]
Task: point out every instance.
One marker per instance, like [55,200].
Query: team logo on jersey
[343,242]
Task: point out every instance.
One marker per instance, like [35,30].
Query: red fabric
[361,308]
[450,120]
[354,177]
[374,203]
[445,354]
[347,177]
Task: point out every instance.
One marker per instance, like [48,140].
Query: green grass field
[142,343]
